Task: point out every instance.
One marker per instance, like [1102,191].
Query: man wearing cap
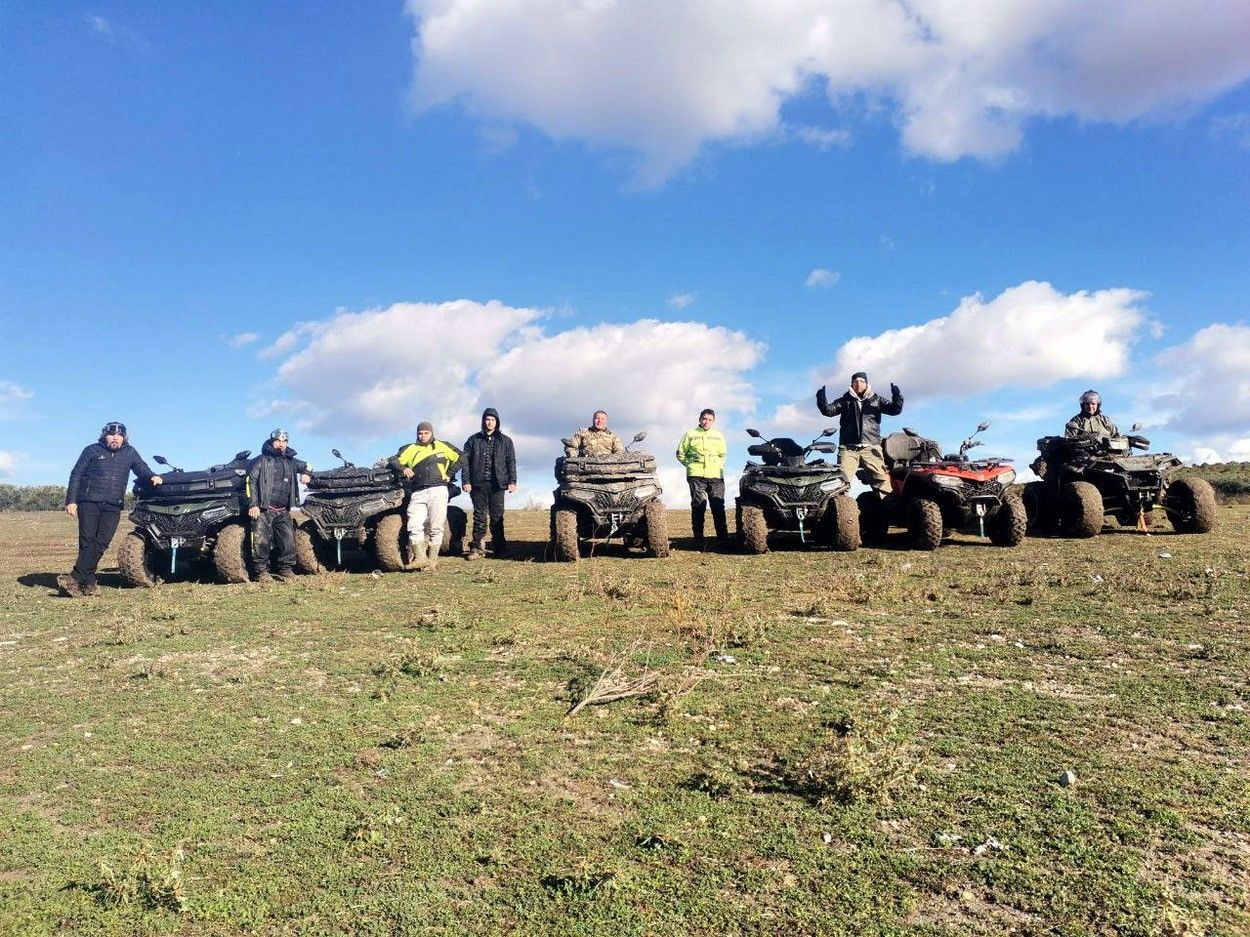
[97,488]
[428,465]
[1091,418]
[702,452]
[272,493]
[859,435]
[595,439]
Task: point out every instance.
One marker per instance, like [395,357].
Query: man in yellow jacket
[428,465]
[702,452]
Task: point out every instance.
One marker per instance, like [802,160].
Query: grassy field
[867,743]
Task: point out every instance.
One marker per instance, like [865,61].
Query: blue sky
[468,205]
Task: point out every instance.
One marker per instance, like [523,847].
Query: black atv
[933,494]
[1089,477]
[190,520]
[360,509]
[785,492]
[601,497]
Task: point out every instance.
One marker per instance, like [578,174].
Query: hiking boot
[263,576]
[476,551]
[285,575]
[69,585]
[418,555]
[432,561]
[92,589]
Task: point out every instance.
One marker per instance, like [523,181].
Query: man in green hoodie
[702,452]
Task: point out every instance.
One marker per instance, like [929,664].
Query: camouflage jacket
[1097,423]
[591,441]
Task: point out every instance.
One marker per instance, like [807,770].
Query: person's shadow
[40,581]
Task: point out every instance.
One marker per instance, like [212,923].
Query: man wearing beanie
[859,435]
[489,470]
[428,465]
[97,488]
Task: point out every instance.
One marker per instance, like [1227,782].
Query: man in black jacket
[859,434]
[272,493]
[489,471]
[97,488]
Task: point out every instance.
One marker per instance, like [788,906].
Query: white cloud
[824,138]
[8,463]
[13,398]
[681,300]
[115,33]
[663,77]
[242,339]
[1030,335]
[820,277]
[1205,386]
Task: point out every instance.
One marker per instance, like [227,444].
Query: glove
[894,391]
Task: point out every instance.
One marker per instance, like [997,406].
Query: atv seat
[901,448]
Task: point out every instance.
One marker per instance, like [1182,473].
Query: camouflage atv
[601,497]
[355,511]
[191,523]
[784,492]
[1090,477]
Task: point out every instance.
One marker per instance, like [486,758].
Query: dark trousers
[270,529]
[96,525]
[702,491]
[488,504]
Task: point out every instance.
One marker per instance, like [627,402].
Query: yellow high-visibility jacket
[431,464]
[702,452]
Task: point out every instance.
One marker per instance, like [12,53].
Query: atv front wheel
[753,529]
[1037,508]
[656,519]
[1190,506]
[924,522]
[387,545]
[566,540]
[1080,509]
[230,554]
[306,559]
[874,522]
[1009,525]
[134,561]
[841,524]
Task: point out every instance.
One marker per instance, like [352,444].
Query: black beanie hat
[857,375]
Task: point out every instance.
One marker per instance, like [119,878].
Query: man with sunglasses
[97,488]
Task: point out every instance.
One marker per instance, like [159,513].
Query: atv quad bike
[353,510]
[1090,477]
[601,497]
[190,520]
[784,492]
[933,494]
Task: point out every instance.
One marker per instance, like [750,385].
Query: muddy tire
[1038,509]
[566,541]
[874,522]
[924,523]
[753,529]
[1080,509]
[840,525]
[134,561]
[453,532]
[388,550]
[306,559]
[655,516]
[1190,506]
[1010,524]
[230,554]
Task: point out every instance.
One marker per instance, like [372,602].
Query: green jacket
[432,464]
[702,452]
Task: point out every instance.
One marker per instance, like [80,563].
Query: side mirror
[982,427]
[754,432]
[1136,427]
[829,431]
[336,453]
[160,459]
[242,454]
[640,436]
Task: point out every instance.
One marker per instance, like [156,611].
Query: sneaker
[69,585]
[264,576]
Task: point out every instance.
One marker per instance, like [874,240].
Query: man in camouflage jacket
[1091,418]
[594,440]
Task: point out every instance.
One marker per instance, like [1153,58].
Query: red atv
[933,494]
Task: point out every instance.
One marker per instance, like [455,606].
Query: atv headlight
[1005,479]
[764,488]
[832,485]
[948,481]
[213,513]
[646,491]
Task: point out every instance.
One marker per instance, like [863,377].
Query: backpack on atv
[190,524]
[1090,477]
[358,510]
[786,493]
[601,497]
[932,494]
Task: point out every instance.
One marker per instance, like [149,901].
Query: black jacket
[272,478]
[473,469]
[860,423]
[101,475]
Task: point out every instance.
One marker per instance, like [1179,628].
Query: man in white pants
[429,464]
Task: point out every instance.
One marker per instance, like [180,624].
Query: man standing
[595,439]
[1091,418]
[96,491]
[429,464]
[859,437]
[702,452]
[489,470]
[272,493]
